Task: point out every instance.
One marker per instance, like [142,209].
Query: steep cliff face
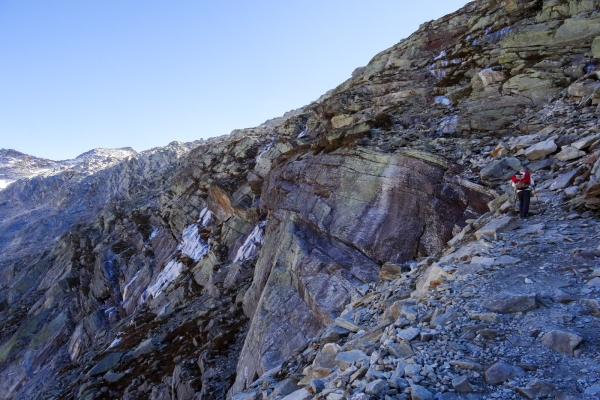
[189,273]
[333,220]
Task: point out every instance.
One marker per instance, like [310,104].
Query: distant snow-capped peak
[15,165]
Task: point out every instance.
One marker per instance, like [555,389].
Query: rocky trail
[513,314]
[363,246]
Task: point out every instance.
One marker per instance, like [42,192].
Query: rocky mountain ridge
[251,265]
[15,165]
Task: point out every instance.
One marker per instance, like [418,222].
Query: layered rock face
[333,220]
[189,273]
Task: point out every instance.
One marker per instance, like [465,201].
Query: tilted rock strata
[178,270]
[333,220]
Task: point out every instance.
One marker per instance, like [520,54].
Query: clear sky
[81,74]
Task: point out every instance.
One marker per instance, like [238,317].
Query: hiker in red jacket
[523,184]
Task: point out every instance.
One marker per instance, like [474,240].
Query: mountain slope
[192,274]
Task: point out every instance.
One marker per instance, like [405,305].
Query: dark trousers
[524,196]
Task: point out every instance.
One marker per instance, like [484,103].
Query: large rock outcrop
[333,220]
[189,272]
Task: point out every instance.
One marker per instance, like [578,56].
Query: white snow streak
[192,244]
[154,233]
[264,151]
[442,100]
[205,217]
[126,288]
[115,342]
[303,133]
[4,183]
[251,244]
[166,276]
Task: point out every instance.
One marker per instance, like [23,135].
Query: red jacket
[524,182]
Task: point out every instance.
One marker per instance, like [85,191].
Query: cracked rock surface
[363,246]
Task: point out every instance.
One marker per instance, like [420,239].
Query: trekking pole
[538,200]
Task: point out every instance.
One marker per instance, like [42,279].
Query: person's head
[523,171]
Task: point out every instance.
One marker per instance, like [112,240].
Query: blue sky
[81,74]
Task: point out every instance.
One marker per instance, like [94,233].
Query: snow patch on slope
[252,243]
[4,183]
[205,217]
[167,275]
[192,244]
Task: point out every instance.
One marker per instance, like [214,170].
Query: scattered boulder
[507,302]
[107,363]
[593,390]
[346,359]
[412,369]
[252,394]
[569,153]
[536,389]
[502,224]
[562,342]
[506,260]
[301,394]
[585,142]
[286,387]
[377,387]
[565,179]
[418,392]
[112,377]
[462,385]
[541,149]
[146,347]
[400,350]
[409,333]
[501,372]
[390,271]
[433,275]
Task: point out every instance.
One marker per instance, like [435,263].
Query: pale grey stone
[569,153]
[536,389]
[541,149]
[412,369]
[585,142]
[564,180]
[400,350]
[418,392]
[562,342]
[251,394]
[462,385]
[377,387]
[286,387]
[502,224]
[112,377]
[146,347]
[347,324]
[106,364]
[485,261]
[501,372]
[301,394]
[346,359]
[507,302]
[594,282]
[409,333]
[506,260]
[593,390]
[409,312]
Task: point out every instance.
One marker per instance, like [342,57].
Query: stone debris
[507,302]
[318,267]
[562,342]
[106,364]
[462,385]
